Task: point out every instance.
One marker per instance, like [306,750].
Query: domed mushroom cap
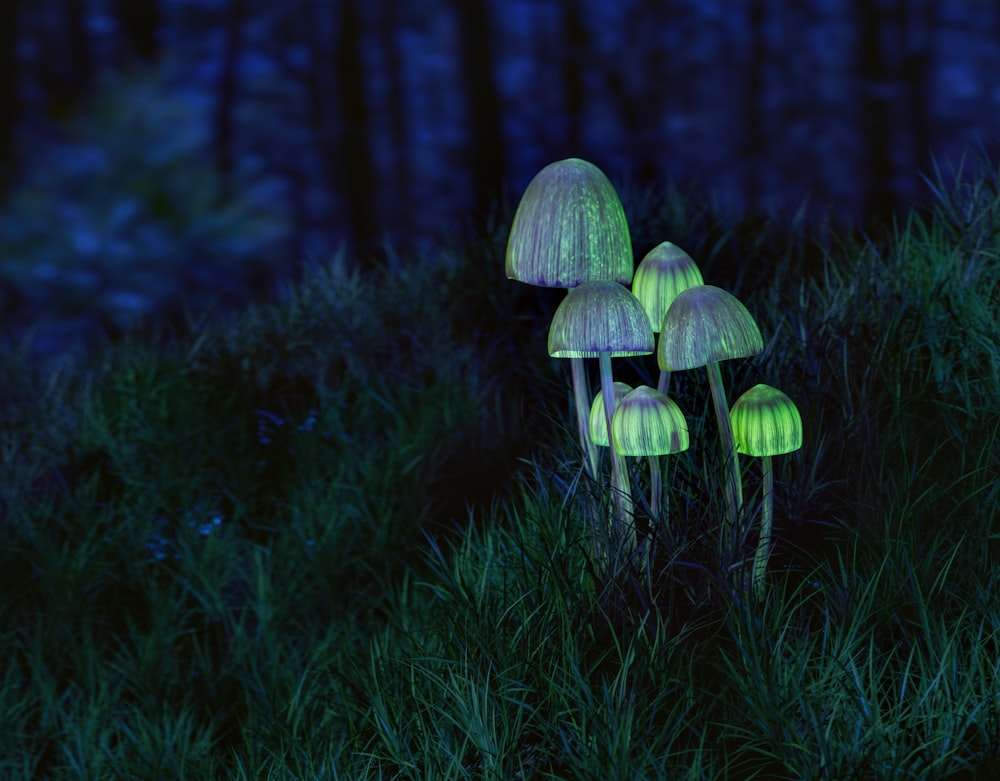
[598,423]
[569,228]
[599,317]
[703,325]
[648,423]
[765,422]
[663,273]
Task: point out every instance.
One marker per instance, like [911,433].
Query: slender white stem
[620,485]
[655,489]
[664,381]
[766,516]
[733,483]
[581,395]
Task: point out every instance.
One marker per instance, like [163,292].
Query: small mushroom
[765,423]
[662,274]
[649,423]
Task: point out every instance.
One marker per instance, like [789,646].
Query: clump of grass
[244,551]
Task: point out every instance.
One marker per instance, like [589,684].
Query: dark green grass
[345,534]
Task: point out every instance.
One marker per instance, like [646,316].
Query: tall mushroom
[703,326]
[570,228]
[765,423]
[603,320]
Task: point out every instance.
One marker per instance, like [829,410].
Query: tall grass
[345,534]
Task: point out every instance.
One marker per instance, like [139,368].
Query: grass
[344,534]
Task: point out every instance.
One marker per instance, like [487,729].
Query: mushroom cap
[648,423]
[599,317]
[662,274]
[598,423]
[703,325]
[765,422]
[569,228]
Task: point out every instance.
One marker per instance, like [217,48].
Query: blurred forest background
[159,152]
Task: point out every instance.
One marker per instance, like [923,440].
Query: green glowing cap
[648,423]
[569,228]
[598,423]
[599,317]
[765,422]
[703,325]
[662,274]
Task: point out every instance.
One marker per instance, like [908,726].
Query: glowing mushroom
[765,423]
[703,326]
[649,423]
[662,274]
[603,320]
[570,228]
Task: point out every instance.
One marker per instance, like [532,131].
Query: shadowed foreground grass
[344,535]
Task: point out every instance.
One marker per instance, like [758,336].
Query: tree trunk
[753,147]
[874,84]
[9,104]
[575,43]
[917,70]
[355,158]
[70,72]
[399,137]
[225,107]
[138,22]
[482,101]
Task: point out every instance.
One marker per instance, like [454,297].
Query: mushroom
[765,423]
[603,320]
[649,423]
[662,274]
[570,228]
[703,326]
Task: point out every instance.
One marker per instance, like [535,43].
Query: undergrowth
[344,534]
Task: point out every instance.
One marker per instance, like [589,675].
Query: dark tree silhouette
[138,22]
[68,68]
[874,83]
[8,88]
[753,143]
[916,73]
[225,106]
[482,101]
[355,156]
[575,44]
[391,22]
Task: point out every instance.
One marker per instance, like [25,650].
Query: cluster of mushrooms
[570,231]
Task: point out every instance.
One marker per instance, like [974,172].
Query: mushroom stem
[664,381]
[620,486]
[655,488]
[581,395]
[733,484]
[766,516]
